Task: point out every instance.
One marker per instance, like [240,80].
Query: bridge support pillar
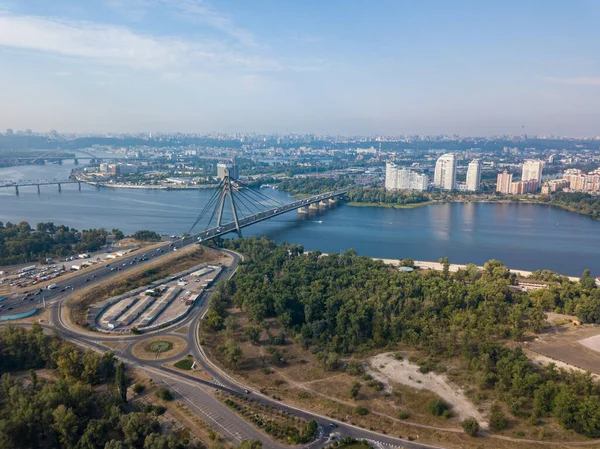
[332,202]
[302,210]
[17,190]
[59,187]
[79,186]
[38,187]
[323,204]
[97,186]
[313,206]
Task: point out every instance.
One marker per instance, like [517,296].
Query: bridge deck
[226,228]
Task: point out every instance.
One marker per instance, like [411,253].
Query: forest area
[579,202]
[88,401]
[343,304]
[20,243]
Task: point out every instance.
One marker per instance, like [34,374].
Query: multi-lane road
[197,394]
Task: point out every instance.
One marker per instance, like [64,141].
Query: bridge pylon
[227,190]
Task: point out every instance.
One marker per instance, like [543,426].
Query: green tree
[355,390]
[470,426]
[232,353]
[498,421]
[65,425]
[118,234]
[437,407]
[252,334]
[122,381]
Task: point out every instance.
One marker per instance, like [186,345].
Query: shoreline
[454,267]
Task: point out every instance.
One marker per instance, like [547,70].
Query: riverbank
[389,205]
[454,267]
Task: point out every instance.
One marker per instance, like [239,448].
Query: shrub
[159,409]
[437,407]
[361,410]
[402,414]
[139,388]
[398,356]
[470,426]
[354,368]
[164,394]
[498,421]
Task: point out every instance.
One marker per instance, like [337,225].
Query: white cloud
[577,81]
[202,12]
[114,45]
[62,74]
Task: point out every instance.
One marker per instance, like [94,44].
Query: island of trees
[343,304]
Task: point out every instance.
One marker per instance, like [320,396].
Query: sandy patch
[139,349]
[542,360]
[386,368]
[592,343]
[182,330]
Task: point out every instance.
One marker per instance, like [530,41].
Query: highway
[14,303]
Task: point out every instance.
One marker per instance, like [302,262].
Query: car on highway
[87,279]
[333,425]
[107,265]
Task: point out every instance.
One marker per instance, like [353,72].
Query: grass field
[185,364]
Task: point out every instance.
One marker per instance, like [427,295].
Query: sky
[349,67]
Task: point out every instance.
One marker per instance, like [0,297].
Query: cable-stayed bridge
[249,206]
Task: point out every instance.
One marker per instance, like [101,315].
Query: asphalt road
[197,393]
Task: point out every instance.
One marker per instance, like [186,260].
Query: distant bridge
[38,183]
[257,206]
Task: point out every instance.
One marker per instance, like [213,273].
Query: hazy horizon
[337,68]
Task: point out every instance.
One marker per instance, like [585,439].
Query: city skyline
[339,68]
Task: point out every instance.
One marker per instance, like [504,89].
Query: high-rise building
[401,178]
[222,167]
[474,175]
[445,172]
[503,182]
[532,169]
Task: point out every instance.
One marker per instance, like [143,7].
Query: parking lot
[156,305]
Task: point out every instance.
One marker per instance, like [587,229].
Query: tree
[355,390]
[437,407]
[232,353]
[146,236]
[231,324]
[65,425]
[118,234]
[470,426]
[586,280]
[116,444]
[122,381]
[94,436]
[498,421]
[252,334]
[136,427]
[445,262]
[250,444]
[158,441]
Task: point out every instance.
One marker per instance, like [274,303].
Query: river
[523,236]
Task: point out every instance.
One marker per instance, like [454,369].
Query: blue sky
[330,66]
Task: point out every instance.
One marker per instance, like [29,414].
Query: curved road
[197,393]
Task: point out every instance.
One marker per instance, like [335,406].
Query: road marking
[236,436]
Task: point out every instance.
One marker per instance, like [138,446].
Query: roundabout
[158,348]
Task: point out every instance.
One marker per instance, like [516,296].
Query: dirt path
[386,368]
